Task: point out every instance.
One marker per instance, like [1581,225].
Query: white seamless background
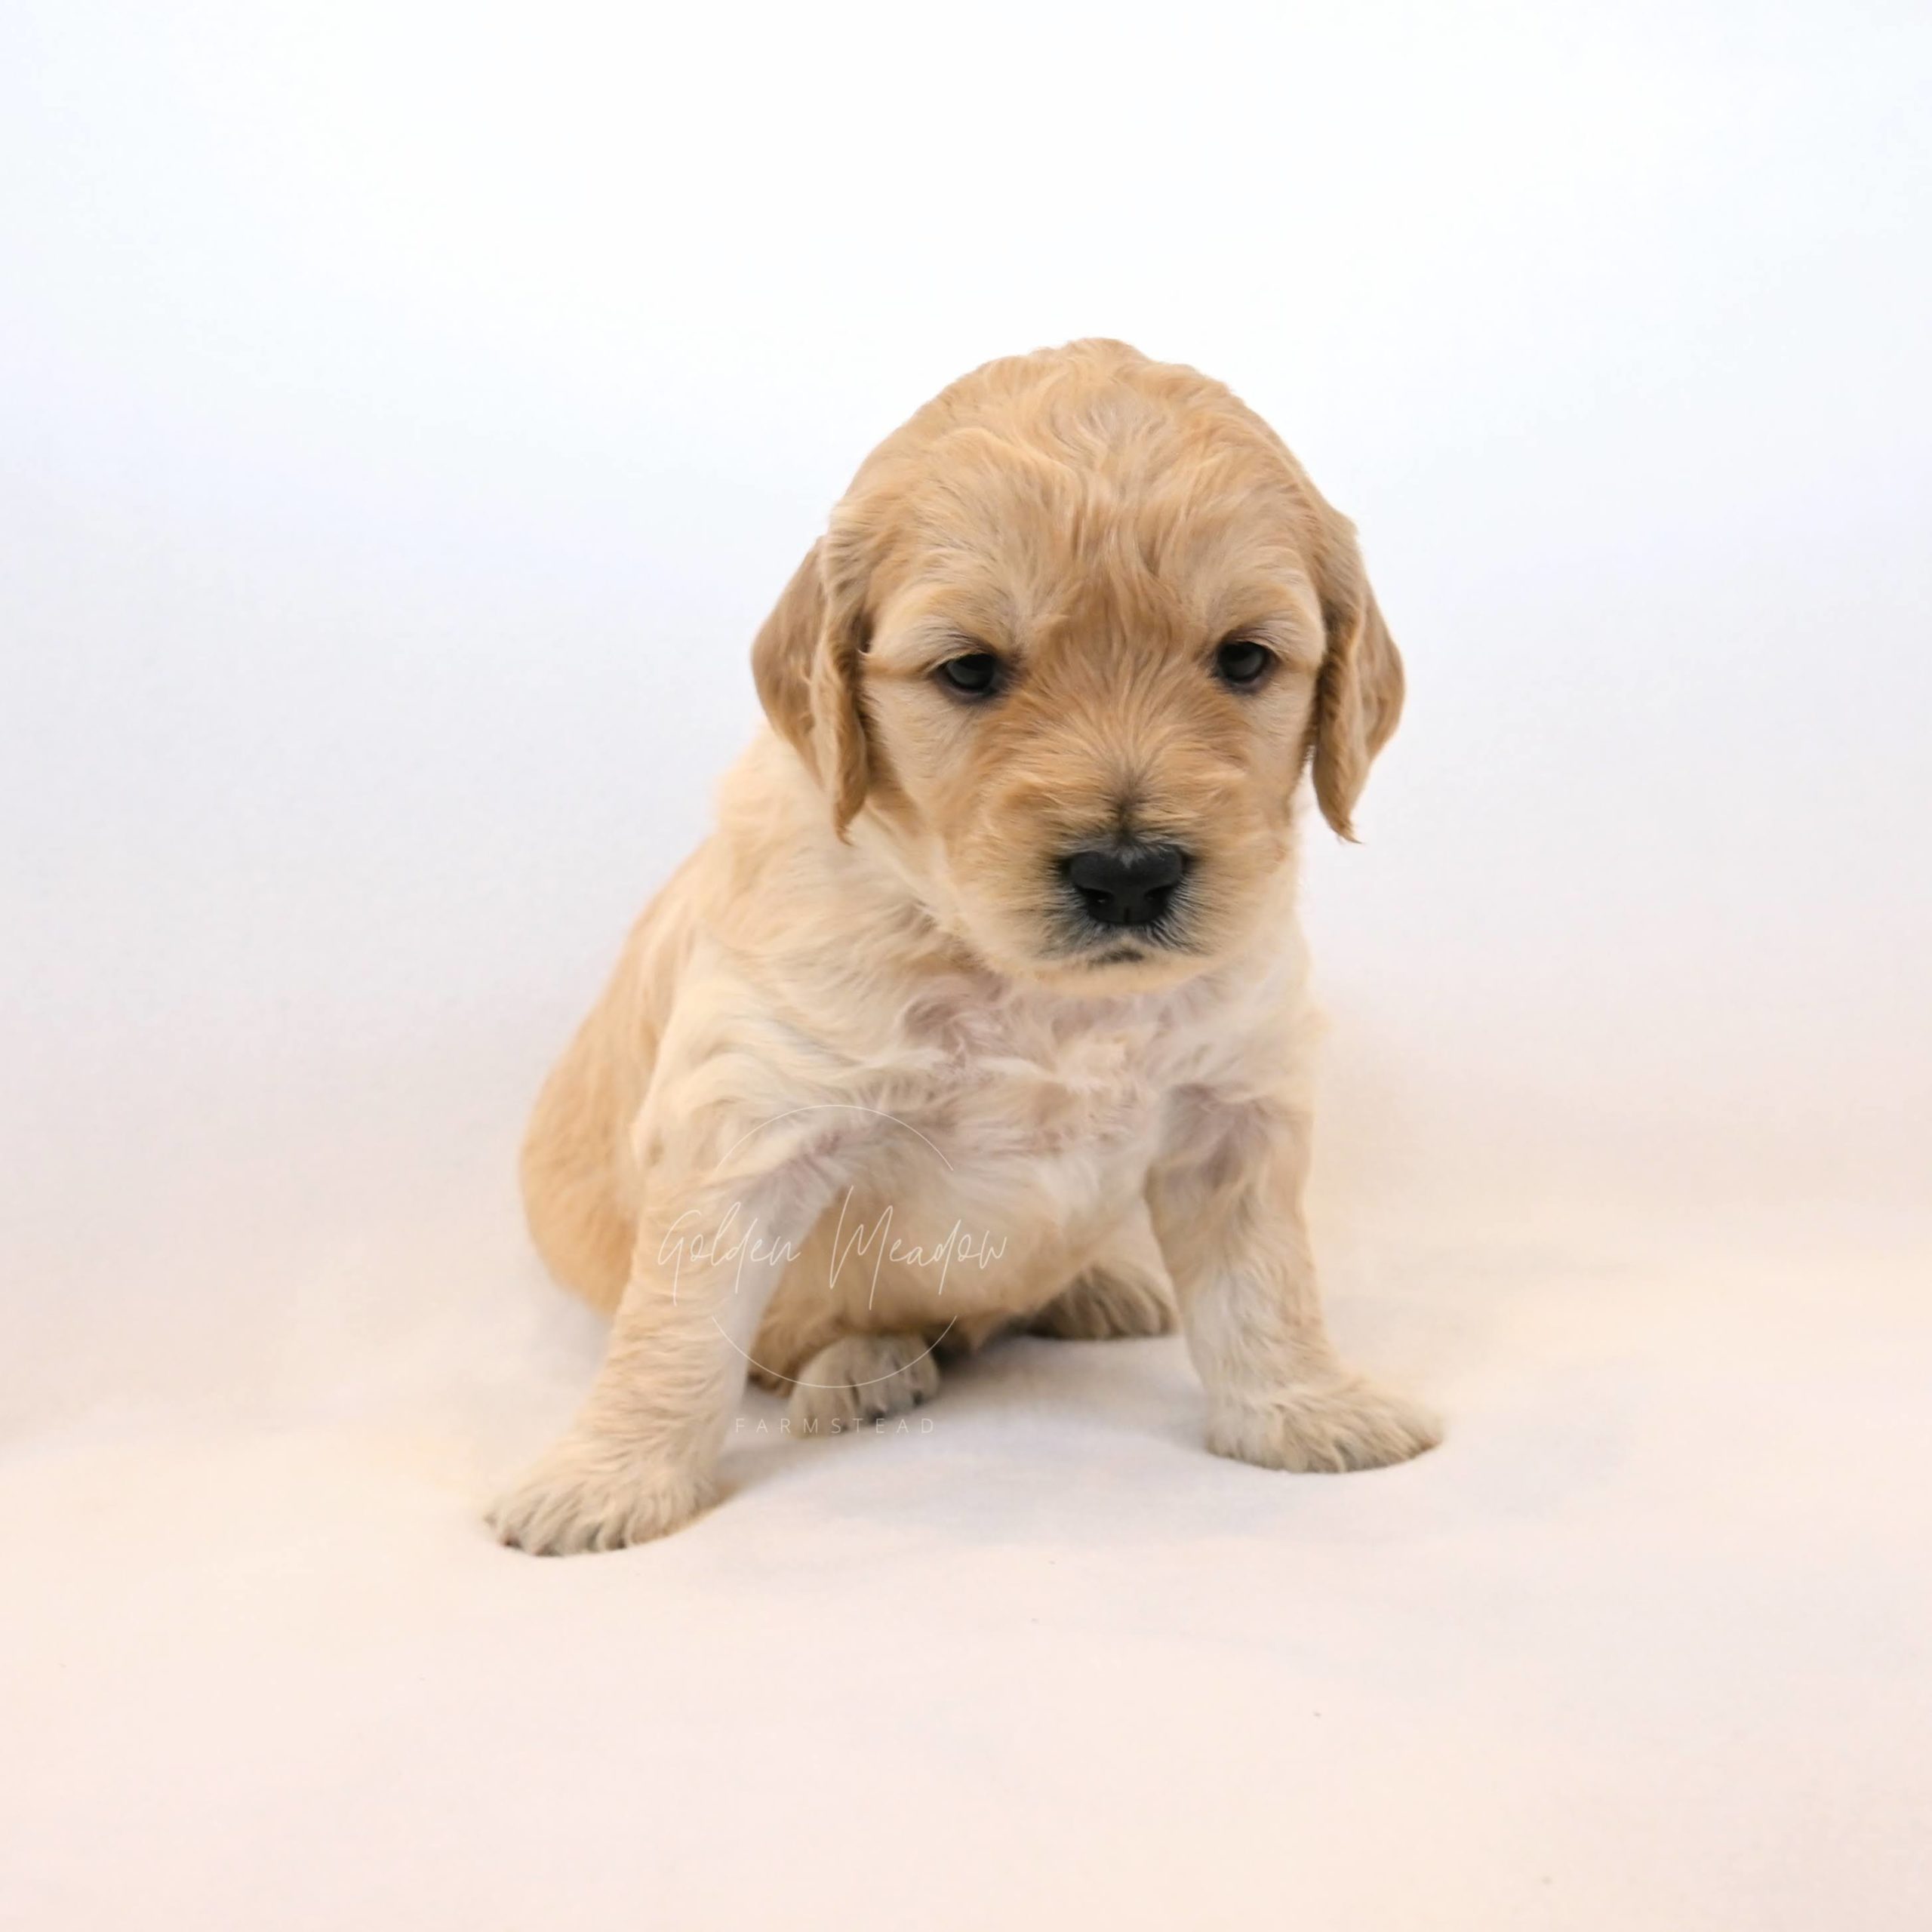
[407,412]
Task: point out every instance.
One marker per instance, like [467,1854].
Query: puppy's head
[1073,635]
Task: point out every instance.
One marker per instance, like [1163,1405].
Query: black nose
[1129,888]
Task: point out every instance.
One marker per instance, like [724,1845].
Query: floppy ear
[1358,695]
[805,661]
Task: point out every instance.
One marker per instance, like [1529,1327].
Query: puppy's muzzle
[1130,887]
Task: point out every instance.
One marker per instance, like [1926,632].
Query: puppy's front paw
[1348,1423]
[589,1496]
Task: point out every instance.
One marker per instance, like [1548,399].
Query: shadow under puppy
[986,1000]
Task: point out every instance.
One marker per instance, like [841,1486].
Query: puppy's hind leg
[860,1378]
[1123,1291]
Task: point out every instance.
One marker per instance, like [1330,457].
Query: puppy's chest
[1001,1084]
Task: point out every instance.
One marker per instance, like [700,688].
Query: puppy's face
[1074,634]
[1089,695]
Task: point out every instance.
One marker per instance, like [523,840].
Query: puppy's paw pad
[1326,1427]
[575,1500]
[859,1378]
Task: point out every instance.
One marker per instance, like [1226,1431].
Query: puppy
[985,1003]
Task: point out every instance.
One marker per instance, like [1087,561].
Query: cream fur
[852,1097]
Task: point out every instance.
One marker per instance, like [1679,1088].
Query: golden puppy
[985,1003]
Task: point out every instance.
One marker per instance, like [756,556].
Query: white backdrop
[410,411]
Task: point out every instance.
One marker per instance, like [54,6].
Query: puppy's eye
[976,675]
[1242,663]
